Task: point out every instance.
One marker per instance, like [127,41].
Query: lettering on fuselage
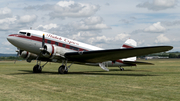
[60,38]
[54,37]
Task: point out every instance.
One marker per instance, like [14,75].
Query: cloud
[127,21]
[7,23]
[47,27]
[93,20]
[104,39]
[27,19]
[122,36]
[6,43]
[107,4]
[82,34]
[171,23]
[157,5]
[140,42]
[16,22]
[5,12]
[8,20]
[155,28]
[161,39]
[90,23]
[64,9]
[72,9]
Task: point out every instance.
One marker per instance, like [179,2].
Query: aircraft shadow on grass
[121,73]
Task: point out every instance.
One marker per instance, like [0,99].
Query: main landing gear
[121,69]
[63,69]
[38,68]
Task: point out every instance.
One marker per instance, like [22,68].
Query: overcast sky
[103,23]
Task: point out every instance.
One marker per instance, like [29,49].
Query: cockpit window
[22,33]
[28,34]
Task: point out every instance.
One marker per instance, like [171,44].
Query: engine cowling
[28,56]
[49,51]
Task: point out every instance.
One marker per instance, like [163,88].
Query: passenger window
[49,41]
[64,45]
[56,43]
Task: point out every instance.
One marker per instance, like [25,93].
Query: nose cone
[11,38]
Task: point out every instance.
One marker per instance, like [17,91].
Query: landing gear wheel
[65,72]
[122,69]
[62,70]
[37,69]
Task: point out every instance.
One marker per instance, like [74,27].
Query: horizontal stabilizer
[137,62]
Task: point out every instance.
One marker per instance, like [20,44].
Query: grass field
[159,82]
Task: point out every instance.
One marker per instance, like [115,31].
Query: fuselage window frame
[28,34]
[49,41]
[63,45]
[56,43]
[23,33]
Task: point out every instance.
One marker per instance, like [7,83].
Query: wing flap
[98,56]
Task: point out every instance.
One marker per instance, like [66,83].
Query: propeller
[18,52]
[43,41]
[44,48]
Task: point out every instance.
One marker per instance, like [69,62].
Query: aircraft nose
[10,38]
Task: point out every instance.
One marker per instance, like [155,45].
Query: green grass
[160,82]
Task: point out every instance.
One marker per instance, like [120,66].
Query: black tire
[61,70]
[37,69]
[122,69]
[65,72]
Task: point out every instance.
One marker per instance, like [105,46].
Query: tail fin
[130,43]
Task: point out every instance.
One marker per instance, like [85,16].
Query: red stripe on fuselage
[35,38]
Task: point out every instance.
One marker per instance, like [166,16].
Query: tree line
[2,58]
[162,54]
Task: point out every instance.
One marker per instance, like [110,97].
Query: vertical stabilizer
[130,43]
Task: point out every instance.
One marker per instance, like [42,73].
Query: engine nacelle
[28,56]
[52,50]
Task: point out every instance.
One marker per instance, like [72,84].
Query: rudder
[130,43]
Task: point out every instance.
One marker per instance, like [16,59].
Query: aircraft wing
[98,56]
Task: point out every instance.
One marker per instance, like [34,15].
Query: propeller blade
[43,41]
[44,51]
[17,55]
[16,58]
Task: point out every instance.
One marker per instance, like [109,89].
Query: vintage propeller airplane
[43,46]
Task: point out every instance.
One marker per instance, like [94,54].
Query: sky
[102,23]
